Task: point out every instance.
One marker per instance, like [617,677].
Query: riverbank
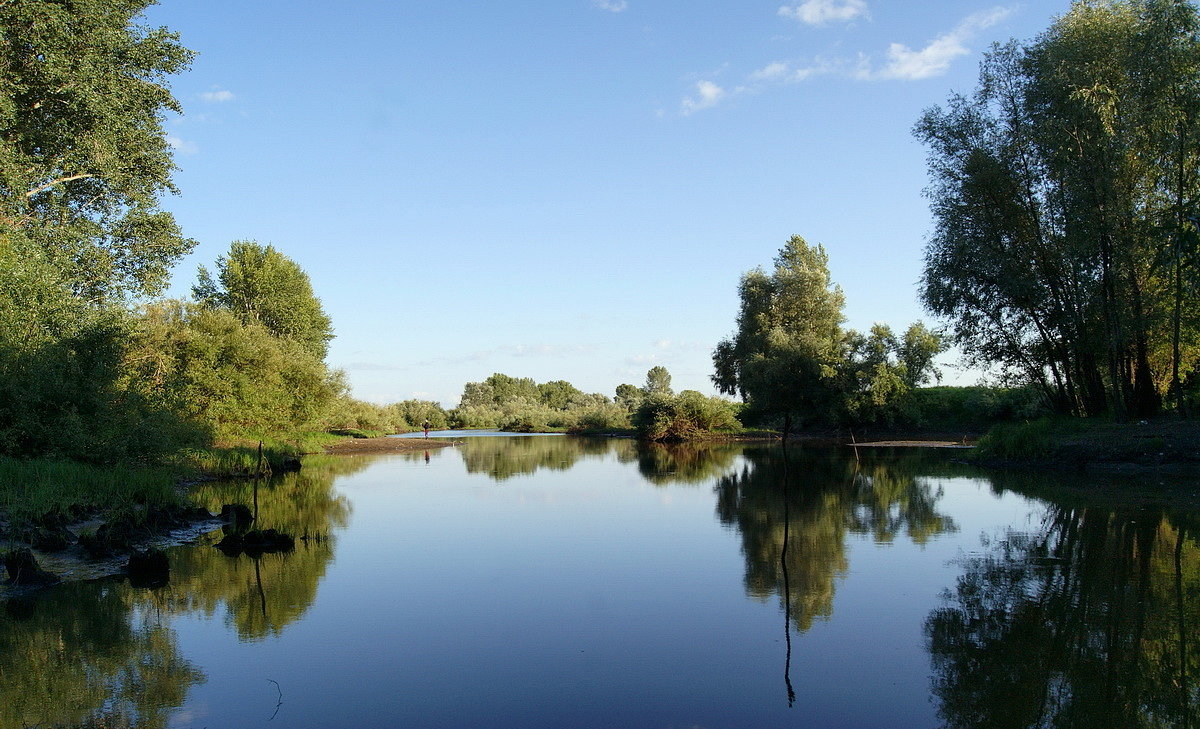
[84,520]
[385,444]
[1061,443]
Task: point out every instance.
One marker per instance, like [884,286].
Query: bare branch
[59,181]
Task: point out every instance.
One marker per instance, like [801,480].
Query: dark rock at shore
[290,465]
[257,543]
[115,536]
[120,535]
[149,569]
[237,516]
[198,513]
[47,539]
[23,569]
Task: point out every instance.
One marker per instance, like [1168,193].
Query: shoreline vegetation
[1065,261]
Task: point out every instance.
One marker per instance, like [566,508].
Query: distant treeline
[523,405]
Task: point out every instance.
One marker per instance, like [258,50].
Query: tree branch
[59,181]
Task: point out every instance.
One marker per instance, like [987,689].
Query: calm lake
[566,582]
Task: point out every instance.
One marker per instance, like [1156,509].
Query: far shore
[386,444]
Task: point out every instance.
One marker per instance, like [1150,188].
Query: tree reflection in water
[686,463]
[814,500]
[504,458]
[262,595]
[101,653]
[795,509]
[1092,621]
[86,654]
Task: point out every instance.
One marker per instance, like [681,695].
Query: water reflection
[811,501]
[662,464]
[1092,620]
[504,458]
[262,595]
[101,653]
[88,654]
[1089,620]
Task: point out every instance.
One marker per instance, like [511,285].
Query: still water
[563,582]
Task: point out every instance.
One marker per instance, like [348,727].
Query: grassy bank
[33,489]
[1078,443]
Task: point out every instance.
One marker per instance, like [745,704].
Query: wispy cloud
[217,96]
[934,59]
[181,145]
[707,95]
[612,6]
[782,72]
[820,12]
[901,64]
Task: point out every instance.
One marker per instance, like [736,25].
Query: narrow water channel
[566,582]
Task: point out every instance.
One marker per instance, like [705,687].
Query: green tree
[687,416]
[784,357]
[658,382]
[236,378]
[259,284]
[83,155]
[1061,192]
[558,394]
[629,397]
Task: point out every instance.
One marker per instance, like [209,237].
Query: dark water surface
[563,582]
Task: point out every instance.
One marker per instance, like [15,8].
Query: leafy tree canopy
[83,155]
[259,284]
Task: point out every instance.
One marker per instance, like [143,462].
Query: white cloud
[182,145]
[707,95]
[770,72]
[820,12]
[218,96]
[934,59]
[780,72]
[902,62]
[612,6]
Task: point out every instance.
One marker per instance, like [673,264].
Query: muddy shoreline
[387,444]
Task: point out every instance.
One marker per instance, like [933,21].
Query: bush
[1019,440]
[600,418]
[686,416]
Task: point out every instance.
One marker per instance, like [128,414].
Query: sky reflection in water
[594,583]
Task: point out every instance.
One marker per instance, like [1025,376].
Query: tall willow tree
[785,355]
[1062,193]
[83,155]
[83,162]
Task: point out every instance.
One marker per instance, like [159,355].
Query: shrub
[686,416]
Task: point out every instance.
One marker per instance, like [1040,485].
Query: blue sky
[569,189]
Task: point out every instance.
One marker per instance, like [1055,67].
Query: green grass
[1036,439]
[33,488]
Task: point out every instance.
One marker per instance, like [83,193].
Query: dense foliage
[260,285]
[83,162]
[791,360]
[520,404]
[1065,193]
[83,156]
